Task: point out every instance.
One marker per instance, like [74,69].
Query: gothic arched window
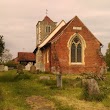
[76,50]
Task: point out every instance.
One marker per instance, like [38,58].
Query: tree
[2,45]
[6,56]
[107,56]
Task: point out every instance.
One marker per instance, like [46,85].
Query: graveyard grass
[14,90]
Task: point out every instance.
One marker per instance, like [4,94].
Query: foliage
[6,56]
[2,45]
[11,64]
[107,57]
[94,97]
[14,89]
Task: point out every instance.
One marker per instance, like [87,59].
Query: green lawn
[14,91]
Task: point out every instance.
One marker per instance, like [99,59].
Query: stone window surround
[83,48]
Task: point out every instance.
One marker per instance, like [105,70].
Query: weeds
[14,89]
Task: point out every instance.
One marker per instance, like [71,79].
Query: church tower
[44,28]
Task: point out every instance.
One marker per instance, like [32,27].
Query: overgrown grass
[14,89]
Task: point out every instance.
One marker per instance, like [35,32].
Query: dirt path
[40,103]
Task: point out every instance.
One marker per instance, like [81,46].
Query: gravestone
[33,69]
[5,68]
[27,67]
[1,67]
[59,80]
[91,85]
[20,69]
[44,78]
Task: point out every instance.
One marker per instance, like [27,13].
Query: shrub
[22,77]
[93,97]
[11,64]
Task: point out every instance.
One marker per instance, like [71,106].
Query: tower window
[48,29]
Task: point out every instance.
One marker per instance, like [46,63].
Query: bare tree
[6,56]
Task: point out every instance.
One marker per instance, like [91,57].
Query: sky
[18,19]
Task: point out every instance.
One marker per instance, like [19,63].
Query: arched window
[76,50]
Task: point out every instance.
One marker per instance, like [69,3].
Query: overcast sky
[18,19]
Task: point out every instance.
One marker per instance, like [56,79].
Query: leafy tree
[2,45]
[107,56]
[5,54]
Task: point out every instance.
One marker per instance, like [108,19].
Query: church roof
[60,31]
[66,26]
[46,18]
[26,56]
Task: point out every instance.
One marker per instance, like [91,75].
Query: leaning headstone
[20,69]
[59,80]
[1,67]
[33,69]
[92,87]
[5,68]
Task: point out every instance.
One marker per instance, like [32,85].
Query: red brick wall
[92,59]
[59,51]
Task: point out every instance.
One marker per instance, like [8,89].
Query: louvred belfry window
[48,29]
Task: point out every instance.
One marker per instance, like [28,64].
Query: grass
[15,89]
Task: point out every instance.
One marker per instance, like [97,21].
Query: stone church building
[67,47]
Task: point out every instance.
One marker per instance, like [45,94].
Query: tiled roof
[61,30]
[26,56]
[15,60]
[47,19]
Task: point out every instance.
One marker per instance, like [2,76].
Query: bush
[11,64]
[22,77]
[93,97]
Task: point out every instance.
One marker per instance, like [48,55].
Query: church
[67,47]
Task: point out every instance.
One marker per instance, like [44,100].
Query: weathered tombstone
[44,78]
[37,71]
[5,68]
[92,86]
[1,67]
[33,69]
[20,69]
[27,67]
[59,80]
